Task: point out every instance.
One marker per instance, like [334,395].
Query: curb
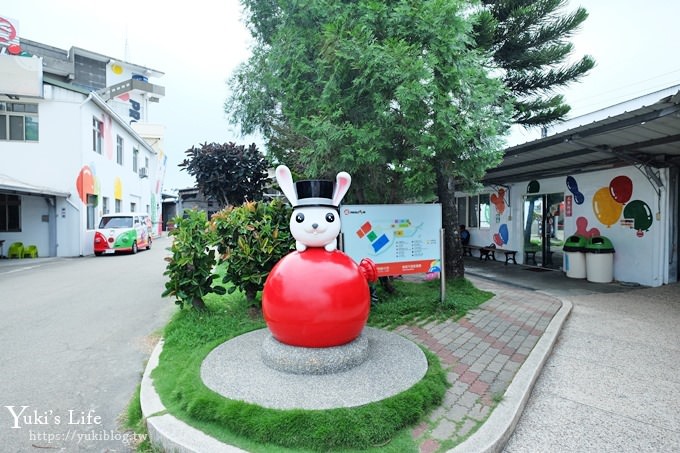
[164,429]
[495,432]
[176,436]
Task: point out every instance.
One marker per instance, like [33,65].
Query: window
[484,211]
[10,213]
[117,205]
[119,150]
[473,212]
[18,122]
[105,205]
[461,206]
[97,133]
[133,207]
[91,205]
[135,158]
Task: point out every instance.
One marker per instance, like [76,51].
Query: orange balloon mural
[499,200]
[606,208]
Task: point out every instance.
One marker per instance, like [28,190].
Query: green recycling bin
[575,257]
[599,260]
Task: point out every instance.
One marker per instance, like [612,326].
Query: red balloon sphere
[316,299]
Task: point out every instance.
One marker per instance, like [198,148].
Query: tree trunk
[251,294]
[198,304]
[454,265]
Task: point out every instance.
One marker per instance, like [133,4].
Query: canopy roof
[647,136]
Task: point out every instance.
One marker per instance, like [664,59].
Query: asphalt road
[74,337]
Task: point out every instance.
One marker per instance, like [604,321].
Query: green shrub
[190,267]
[251,239]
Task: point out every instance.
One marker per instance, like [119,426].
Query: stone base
[300,360]
[235,369]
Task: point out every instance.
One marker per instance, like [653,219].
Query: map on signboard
[398,233]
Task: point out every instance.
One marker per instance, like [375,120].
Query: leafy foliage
[228,173]
[190,267]
[393,92]
[251,239]
[528,43]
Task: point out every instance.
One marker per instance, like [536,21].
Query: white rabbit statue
[315,221]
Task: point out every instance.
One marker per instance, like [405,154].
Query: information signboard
[398,238]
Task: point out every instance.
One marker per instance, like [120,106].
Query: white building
[74,144]
[612,173]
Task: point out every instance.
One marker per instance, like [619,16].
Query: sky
[199,43]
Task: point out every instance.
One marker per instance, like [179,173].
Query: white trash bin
[575,257]
[599,260]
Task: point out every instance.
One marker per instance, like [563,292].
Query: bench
[467,249]
[489,252]
[530,254]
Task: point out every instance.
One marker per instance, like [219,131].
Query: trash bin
[575,257]
[599,260]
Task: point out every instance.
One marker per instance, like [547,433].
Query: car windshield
[116,222]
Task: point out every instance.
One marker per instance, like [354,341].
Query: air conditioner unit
[143,172]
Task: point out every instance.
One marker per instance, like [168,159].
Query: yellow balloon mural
[118,189]
[606,208]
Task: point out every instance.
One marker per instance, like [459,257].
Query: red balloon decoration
[621,189]
[317,299]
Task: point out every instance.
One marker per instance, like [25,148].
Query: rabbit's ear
[342,182]
[285,180]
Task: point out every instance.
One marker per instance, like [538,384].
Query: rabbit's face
[315,226]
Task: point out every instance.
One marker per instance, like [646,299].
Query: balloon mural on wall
[609,203]
[572,186]
[606,208]
[621,189]
[533,186]
[502,236]
[583,230]
[641,215]
[85,183]
[498,200]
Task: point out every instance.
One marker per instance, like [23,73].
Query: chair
[31,252]
[16,250]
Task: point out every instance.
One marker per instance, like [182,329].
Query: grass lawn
[382,425]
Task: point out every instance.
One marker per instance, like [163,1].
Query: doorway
[544,230]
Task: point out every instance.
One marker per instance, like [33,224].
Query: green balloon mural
[640,213]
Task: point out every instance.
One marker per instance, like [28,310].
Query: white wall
[63,158]
[641,255]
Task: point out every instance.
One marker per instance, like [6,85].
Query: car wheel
[134,247]
[98,253]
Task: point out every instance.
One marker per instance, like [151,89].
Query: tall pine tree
[528,41]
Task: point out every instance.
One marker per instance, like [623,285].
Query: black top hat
[315,192]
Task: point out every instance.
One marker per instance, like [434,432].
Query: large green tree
[528,41]
[393,92]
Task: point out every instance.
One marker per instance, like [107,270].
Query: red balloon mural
[621,189]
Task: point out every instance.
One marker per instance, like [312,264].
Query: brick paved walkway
[481,352]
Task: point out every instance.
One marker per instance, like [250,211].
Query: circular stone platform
[299,360]
[235,370]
